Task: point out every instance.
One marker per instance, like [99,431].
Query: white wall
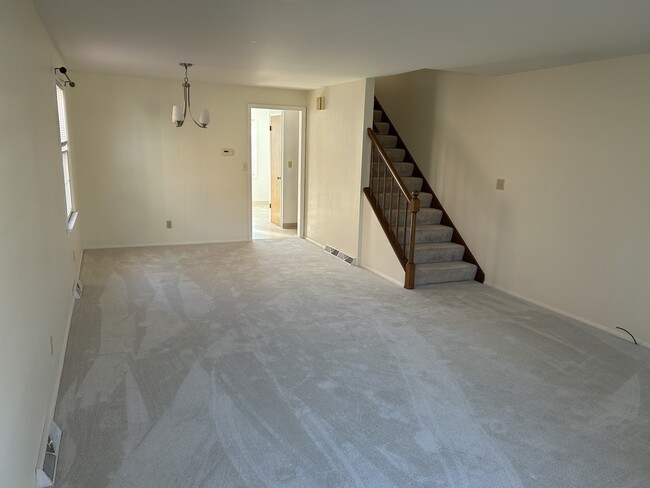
[409,101]
[135,169]
[335,151]
[570,230]
[37,270]
[377,254]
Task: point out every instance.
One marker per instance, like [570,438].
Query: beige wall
[336,147]
[570,230]
[37,270]
[409,101]
[377,254]
[136,170]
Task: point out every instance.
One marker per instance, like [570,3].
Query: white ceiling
[312,43]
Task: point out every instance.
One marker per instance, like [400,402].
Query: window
[65,156]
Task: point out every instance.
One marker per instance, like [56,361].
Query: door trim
[301,163]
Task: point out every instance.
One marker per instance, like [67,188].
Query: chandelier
[178,115]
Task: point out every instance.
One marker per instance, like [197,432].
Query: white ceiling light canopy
[178,115]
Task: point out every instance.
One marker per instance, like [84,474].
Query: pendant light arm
[188,108]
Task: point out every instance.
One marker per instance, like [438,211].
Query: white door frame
[301,164]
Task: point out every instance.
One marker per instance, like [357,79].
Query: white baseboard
[314,242]
[613,331]
[384,276]
[64,347]
[159,244]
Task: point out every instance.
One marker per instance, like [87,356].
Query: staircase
[439,250]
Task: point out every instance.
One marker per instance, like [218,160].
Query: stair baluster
[385,210]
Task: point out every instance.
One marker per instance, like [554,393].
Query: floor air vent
[46,472]
[78,289]
[340,255]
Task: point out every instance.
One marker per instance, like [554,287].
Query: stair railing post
[372,169]
[409,282]
[378,173]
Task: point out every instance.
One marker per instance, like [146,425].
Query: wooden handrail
[406,256]
[389,164]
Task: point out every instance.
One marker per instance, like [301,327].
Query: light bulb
[204,118]
[177,114]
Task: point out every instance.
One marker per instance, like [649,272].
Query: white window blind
[63,120]
[65,157]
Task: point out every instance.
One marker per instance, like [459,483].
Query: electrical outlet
[168,224]
[501,184]
[290,164]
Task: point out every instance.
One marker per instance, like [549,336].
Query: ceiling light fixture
[178,115]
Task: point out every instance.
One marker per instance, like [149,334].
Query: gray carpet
[272,363]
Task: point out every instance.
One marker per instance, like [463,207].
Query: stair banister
[436,263]
[410,266]
[407,256]
[388,163]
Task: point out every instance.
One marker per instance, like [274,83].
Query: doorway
[276,169]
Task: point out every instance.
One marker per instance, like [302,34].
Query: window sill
[71,221]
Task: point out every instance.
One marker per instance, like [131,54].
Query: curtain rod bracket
[64,71]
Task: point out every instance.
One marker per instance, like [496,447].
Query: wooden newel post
[410,265]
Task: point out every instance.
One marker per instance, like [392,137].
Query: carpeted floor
[272,363]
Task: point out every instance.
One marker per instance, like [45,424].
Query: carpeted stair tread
[413,183]
[382,127]
[425,199]
[426,216]
[376,115]
[403,169]
[437,252]
[432,273]
[428,233]
[396,155]
[387,141]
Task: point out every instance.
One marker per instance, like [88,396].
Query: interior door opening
[276,149]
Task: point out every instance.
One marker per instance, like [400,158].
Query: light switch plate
[501,184]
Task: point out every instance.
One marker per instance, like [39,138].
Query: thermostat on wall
[226,151]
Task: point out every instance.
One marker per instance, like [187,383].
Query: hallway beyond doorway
[276,169]
[262,226]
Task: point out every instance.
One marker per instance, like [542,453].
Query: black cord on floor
[628,333]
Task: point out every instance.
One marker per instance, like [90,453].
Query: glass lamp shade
[177,114]
[204,118]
